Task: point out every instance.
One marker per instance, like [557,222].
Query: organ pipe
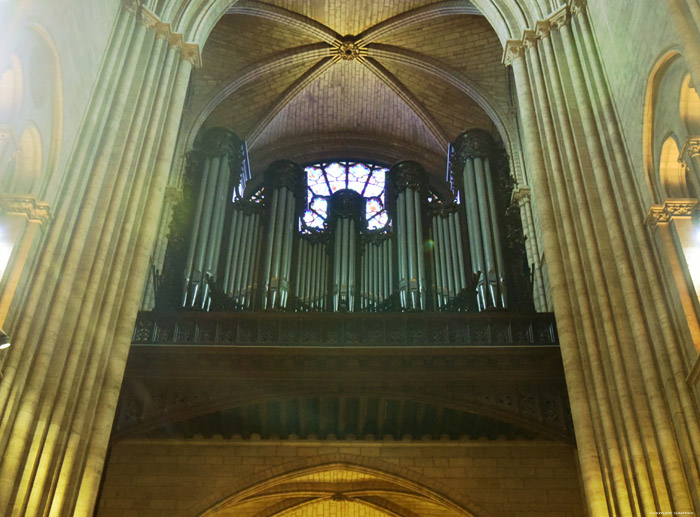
[409,182]
[284,182]
[220,152]
[473,150]
[346,214]
[252,252]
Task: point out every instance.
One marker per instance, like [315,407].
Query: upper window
[366,179]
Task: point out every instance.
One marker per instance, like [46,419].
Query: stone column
[566,324]
[59,396]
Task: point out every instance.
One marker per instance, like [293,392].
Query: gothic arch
[672,173]
[294,476]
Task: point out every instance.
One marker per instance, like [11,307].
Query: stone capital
[671,209]
[475,143]
[691,149]
[520,195]
[513,50]
[191,53]
[577,6]
[33,210]
[529,38]
[560,17]
[542,29]
[407,174]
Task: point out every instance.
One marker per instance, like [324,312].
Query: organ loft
[413,258]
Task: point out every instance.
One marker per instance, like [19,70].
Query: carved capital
[577,6]
[131,6]
[407,174]
[191,53]
[513,50]
[33,210]
[691,149]
[474,143]
[347,204]
[284,173]
[218,141]
[149,19]
[529,39]
[559,17]
[671,209]
[542,29]
[520,196]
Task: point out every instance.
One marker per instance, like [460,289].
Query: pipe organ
[475,179]
[344,236]
[222,160]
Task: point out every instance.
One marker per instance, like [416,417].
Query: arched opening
[672,170]
[29,161]
[343,488]
[11,84]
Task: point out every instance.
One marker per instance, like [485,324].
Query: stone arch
[656,189]
[30,161]
[294,471]
[45,57]
[11,88]
[672,172]
[690,106]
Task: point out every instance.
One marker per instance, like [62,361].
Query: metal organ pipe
[473,149]
[409,180]
[195,229]
[283,179]
[213,155]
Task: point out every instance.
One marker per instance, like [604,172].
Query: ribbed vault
[316,80]
[336,489]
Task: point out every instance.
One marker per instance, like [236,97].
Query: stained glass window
[324,179]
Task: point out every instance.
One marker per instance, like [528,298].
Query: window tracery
[324,179]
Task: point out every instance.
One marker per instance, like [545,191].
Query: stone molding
[33,210]
[671,209]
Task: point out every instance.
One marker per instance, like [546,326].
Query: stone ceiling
[317,79]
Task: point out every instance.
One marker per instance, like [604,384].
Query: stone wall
[170,477]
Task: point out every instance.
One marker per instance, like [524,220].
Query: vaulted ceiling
[308,80]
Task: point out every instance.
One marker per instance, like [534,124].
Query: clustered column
[635,417]
[408,182]
[61,383]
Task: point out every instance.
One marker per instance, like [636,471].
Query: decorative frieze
[671,209]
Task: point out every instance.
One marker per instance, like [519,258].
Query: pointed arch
[295,473]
